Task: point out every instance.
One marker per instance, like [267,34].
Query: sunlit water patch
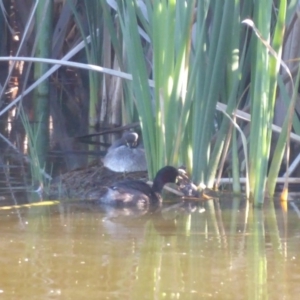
[217,250]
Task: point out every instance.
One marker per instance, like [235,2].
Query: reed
[186,58]
[202,54]
[188,65]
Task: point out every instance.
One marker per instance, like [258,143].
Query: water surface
[217,250]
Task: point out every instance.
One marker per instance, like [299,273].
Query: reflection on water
[83,251]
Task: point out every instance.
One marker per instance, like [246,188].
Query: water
[223,250]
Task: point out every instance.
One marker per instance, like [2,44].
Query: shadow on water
[217,250]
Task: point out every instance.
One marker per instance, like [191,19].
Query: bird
[138,193]
[126,154]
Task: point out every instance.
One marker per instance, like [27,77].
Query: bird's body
[136,192]
[126,155]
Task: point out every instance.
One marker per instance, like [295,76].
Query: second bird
[126,154]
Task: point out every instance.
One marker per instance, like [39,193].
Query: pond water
[216,250]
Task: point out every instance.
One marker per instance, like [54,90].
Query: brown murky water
[79,251]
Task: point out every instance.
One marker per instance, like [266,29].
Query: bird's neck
[157,187]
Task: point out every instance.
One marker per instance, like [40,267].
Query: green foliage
[202,55]
[93,20]
[38,174]
[190,61]
[187,58]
